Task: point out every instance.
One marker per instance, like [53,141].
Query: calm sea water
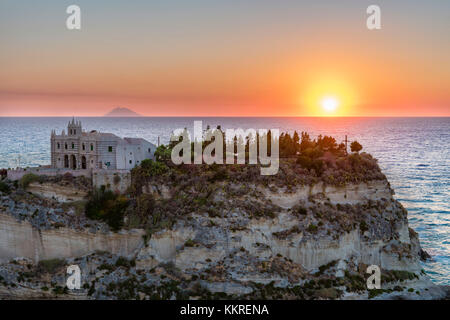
[414,153]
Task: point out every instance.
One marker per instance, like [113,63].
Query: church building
[78,149]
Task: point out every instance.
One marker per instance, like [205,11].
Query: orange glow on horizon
[273,62]
[329,96]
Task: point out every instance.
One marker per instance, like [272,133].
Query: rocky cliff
[226,238]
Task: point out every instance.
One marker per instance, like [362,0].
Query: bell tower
[74,128]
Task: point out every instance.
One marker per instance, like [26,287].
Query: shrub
[124,262]
[219,175]
[163,153]
[189,243]
[355,146]
[107,206]
[77,206]
[4,187]
[363,226]
[145,205]
[152,168]
[311,163]
[312,228]
[304,161]
[27,179]
[51,265]
[140,175]
[375,292]
[116,180]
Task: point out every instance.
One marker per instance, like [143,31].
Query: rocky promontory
[216,232]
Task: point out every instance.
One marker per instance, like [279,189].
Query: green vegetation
[363,226]
[79,207]
[327,266]
[141,174]
[397,275]
[106,206]
[28,178]
[355,146]
[163,153]
[124,262]
[60,290]
[189,243]
[312,228]
[51,265]
[3,173]
[161,192]
[4,187]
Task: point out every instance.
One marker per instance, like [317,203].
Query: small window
[107,164]
[73,145]
[149,150]
[92,147]
[75,131]
[131,162]
[65,146]
[109,149]
[84,147]
[58,145]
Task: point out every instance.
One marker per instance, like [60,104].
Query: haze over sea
[414,153]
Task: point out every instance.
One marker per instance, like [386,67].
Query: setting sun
[329,104]
[329,95]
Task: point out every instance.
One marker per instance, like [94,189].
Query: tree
[355,146]
[305,142]
[296,139]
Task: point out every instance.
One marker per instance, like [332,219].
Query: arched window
[58,146]
[84,147]
[83,162]
[73,161]
[66,161]
[65,145]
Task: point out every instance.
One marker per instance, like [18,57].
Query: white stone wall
[17,174]
[115,180]
[129,156]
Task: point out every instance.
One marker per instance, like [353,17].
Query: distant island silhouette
[122,112]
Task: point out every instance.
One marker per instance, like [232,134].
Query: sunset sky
[225,58]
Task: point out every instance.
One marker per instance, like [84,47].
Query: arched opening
[83,162]
[74,162]
[66,161]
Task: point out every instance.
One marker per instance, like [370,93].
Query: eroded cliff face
[314,241]
[19,239]
[309,239]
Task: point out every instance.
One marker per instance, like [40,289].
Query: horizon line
[221,116]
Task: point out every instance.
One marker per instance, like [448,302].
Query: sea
[414,153]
